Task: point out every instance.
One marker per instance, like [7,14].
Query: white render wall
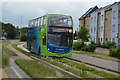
[93,26]
[102,26]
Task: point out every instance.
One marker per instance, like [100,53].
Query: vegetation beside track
[5,54]
[102,56]
[35,69]
[86,68]
[72,70]
[5,60]
[82,52]
[8,51]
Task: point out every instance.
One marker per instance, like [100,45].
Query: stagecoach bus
[51,35]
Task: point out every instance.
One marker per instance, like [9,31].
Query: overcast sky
[11,11]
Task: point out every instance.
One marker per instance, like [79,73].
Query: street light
[21,28]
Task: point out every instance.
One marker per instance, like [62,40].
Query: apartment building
[115,27]
[105,24]
[84,20]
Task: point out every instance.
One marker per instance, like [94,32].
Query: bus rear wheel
[29,47]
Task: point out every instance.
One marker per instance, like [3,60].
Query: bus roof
[50,14]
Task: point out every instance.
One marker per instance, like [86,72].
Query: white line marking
[16,72]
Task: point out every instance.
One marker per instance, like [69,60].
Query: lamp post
[21,28]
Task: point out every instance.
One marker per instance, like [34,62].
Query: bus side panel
[39,41]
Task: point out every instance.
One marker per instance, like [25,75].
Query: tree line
[13,32]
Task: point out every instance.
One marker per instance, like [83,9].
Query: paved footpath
[97,61]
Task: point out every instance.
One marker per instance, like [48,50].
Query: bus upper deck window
[44,20]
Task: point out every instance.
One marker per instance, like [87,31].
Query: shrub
[78,45]
[115,52]
[108,45]
[89,48]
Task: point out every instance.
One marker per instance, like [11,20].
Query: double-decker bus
[51,35]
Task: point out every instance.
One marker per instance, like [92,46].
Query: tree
[83,34]
[24,34]
[10,30]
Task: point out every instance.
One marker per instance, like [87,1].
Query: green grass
[5,60]
[77,65]
[53,62]
[35,69]
[82,52]
[0,57]
[7,50]
[74,64]
[86,68]
[106,57]
[69,69]
[2,41]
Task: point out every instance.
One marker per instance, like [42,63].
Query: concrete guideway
[21,74]
[92,60]
[97,61]
[15,71]
[50,65]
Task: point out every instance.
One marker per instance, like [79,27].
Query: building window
[118,40]
[113,39]
[102,17]
[119,28]
[101,39]
[114,14]
[91,19]
[106,39]
[94,19]
[119,14]
[101,28]
[91,30]
[106,15]
[113,30]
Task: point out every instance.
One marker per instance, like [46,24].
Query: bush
[115,52]
[108,45]
[78,45]
[89,48]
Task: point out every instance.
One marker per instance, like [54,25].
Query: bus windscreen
[60,20]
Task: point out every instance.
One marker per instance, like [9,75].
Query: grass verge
[2,41]
[82,52]
[5,60]
[0,57]
[35,69]
[106,57]
[81,74]
[90,69]
[4,47]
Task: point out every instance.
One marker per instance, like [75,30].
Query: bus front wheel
[39,51]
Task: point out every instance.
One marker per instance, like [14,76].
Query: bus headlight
[48,49]
[70,30]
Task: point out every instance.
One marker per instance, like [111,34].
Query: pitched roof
[88,12]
